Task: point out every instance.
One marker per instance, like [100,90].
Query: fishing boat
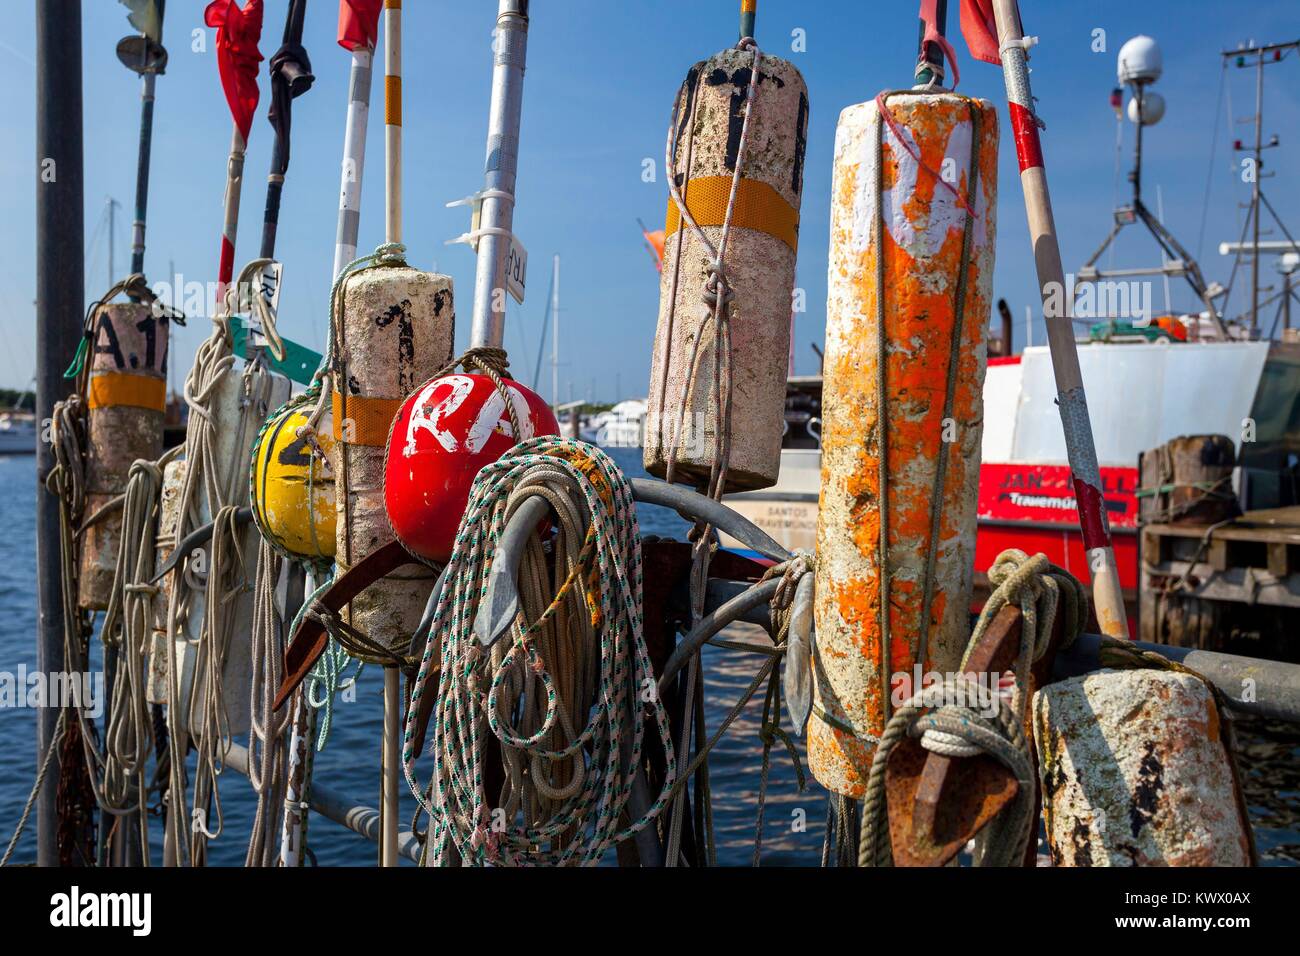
[17,434]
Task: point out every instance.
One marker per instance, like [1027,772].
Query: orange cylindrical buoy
[685,409]
[395,331]
[911,268]
[126,396]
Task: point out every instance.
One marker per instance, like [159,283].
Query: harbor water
[793,820]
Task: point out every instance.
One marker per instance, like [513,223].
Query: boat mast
[555,332]
[60,301]
[1260,55]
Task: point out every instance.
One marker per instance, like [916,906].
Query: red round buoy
[447,430]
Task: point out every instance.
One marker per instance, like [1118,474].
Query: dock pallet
[1206,586]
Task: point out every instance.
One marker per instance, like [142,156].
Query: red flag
[237,56]
[980,30]
[359,23]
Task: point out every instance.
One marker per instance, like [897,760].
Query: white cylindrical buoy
[241,402]
[395,331]
[908,301]
[126,397]
[1135,772]
[684,406]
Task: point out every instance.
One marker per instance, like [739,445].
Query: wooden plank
[1217,554]
[1279,562]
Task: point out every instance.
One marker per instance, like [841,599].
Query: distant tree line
[12,398]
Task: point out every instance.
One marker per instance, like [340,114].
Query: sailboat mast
[555,331]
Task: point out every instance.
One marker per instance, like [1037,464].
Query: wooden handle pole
[1080,448]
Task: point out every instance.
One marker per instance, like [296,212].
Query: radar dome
[1139,61]
[1153,108]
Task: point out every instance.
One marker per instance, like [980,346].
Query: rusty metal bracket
[936,803]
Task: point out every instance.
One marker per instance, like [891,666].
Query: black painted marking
[106,342]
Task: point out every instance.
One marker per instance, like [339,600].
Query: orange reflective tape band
[370,419]
[392,4]
[392,100]
[758,206]
[748,6]
[122,388]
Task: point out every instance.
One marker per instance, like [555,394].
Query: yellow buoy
[293,486]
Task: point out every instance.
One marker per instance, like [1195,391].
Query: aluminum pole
[510,47]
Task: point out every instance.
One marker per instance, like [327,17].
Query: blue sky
[598,90]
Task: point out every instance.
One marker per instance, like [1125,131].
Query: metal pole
[354,157]
[748,10]
[142,171]
[147,84]
[60,299]
[930,60]
[1254,194]
[390,750]
[496,219]
[1108,599]
[112,245]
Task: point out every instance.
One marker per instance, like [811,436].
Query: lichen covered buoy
[686,417]
[909,288]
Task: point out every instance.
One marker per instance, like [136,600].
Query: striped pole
[234,185]
[354,157]
[748,10]
[1107,598]
[392,746]
[393,120]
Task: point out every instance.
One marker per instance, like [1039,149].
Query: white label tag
[516,269]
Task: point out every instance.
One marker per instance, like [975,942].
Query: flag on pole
[238,31]
[143,15]
[359,23]
[654,242]
[980,30]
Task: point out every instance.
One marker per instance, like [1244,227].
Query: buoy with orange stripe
[687,415]
[126,394]
[395,332]
[442,435]
[911,267]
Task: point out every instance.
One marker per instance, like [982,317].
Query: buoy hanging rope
[478,690]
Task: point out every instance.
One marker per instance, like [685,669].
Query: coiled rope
[480,694]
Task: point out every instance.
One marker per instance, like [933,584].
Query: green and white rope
[470,701]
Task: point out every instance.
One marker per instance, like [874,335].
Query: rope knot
[390,254]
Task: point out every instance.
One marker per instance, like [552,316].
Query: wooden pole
[1107,598]
[60,301]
